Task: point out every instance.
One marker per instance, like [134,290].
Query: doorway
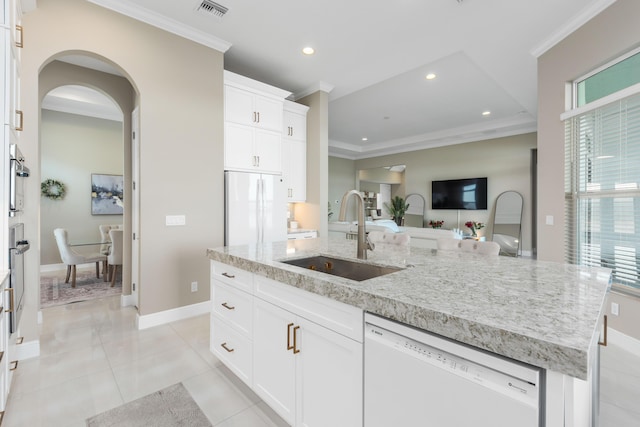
[85,128]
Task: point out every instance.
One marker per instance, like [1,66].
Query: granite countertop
[542,313]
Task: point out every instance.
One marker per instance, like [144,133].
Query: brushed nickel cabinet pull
[289,346]
[10,309]
[224,345]
[254,117]
[19,340]
[20,120]
[604,341]
[258,116]
[258,158]
[230,276]
[1,355]
[20,32]
[14,365]
[296,350]
[227,306]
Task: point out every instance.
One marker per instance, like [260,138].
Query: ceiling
[373,56]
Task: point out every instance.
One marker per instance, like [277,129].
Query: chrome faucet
[363,243]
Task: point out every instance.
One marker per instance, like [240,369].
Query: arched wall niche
[55,73]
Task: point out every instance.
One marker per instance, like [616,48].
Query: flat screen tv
[470,193]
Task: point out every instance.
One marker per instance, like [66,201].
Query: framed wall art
[107,194]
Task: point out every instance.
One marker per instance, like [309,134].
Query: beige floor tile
[219,395]
[250,417]
[134,346]
[142,376]
[46,371]
[68,403]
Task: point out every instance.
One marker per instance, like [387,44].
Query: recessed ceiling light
[486,113]
[308,50]
[365,139]
[430,76]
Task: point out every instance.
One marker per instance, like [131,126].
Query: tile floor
[93,359]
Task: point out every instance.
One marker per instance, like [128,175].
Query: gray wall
[72,148]
[342,178]
[607,36]
[505,161]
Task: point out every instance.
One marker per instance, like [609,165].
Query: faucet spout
[362,233]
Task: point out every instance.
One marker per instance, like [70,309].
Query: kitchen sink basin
[340,267]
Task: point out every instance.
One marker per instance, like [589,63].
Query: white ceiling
[375,56]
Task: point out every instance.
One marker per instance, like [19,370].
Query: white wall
[72,148]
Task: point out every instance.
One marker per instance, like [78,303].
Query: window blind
[602,189]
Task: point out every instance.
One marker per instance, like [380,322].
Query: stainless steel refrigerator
[255,208]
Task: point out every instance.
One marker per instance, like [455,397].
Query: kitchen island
[540,313]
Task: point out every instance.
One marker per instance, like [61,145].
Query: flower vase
[473,232]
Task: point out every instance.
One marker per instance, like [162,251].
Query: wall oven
[17,247]
[17,171]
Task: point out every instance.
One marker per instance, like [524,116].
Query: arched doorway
[75,76]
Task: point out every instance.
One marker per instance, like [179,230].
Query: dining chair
[72,258]
[114,259]
[105,241]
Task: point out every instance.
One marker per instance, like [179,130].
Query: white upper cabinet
[295,121]
[247,108]
[294,151]
[253,114]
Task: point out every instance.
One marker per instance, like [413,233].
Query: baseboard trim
[26,350]
[168,316]
[127,300]
[46,268]
[627,343]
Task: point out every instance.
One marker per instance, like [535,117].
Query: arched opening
[91,100]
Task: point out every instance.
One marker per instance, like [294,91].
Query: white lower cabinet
[300,365]
[310,375]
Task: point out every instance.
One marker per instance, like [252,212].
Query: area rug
[170,407]
[53,290]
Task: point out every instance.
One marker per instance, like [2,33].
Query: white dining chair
[114,259]
[72,258]
[105,241]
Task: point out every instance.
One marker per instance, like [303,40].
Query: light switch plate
[549,220]
[171,220]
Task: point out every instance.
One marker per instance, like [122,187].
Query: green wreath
[53,189]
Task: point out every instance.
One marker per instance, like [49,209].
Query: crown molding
[167,24]
[316,87]
[584,16]
[461,135]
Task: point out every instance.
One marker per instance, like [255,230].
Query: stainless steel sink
[339,267]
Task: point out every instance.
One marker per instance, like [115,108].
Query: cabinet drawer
[233,306]
[232,276]
[334,315]
[233,349]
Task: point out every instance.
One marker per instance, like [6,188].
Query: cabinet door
[232,348]
[238,147]
[274,364]
[294,169]
[298,179]
[295,126]
[269,113]
[328,378]
[268,150]
[238,106]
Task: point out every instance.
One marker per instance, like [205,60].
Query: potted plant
[397,209]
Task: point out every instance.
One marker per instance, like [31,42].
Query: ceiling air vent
[212,8]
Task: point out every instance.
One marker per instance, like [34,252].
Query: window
[602,186]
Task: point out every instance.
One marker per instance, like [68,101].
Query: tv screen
[470,193]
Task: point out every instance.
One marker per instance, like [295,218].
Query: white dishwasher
[414,378]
